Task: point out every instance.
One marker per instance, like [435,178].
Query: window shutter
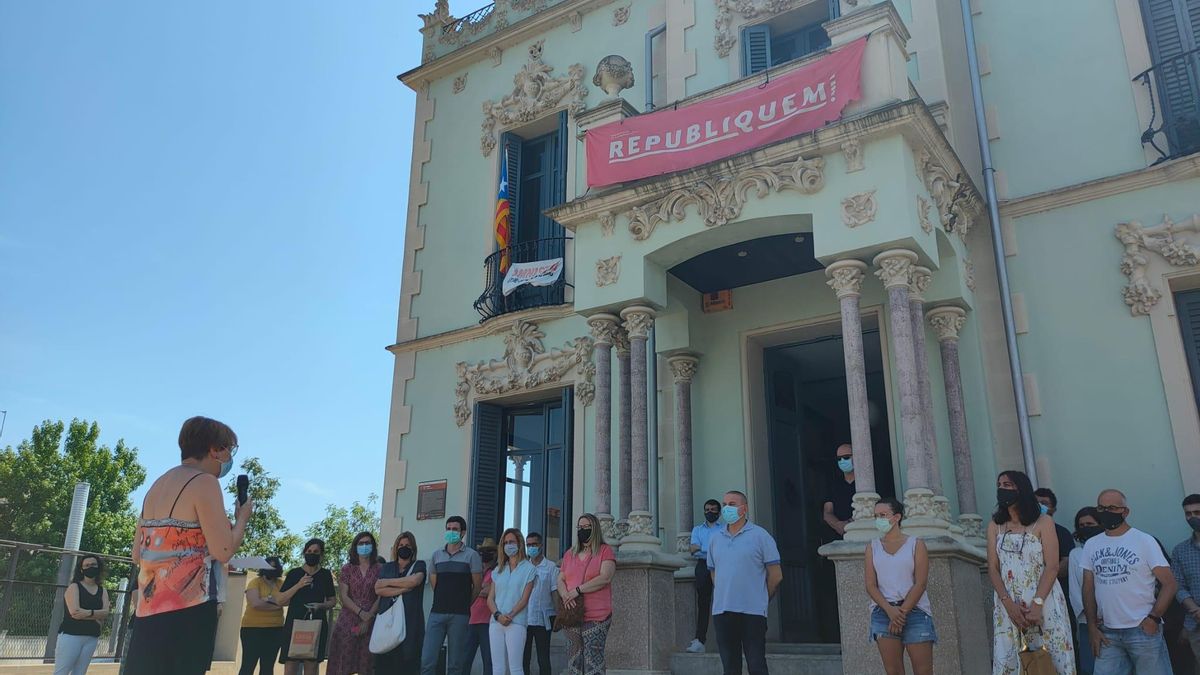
[561,143]
[568,450]
[1187,308]
[756,49]
[1172,28]
[486,476]
[512,152]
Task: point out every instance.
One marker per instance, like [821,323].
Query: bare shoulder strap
[171,514]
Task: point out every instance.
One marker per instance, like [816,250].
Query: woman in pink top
[587,572]
[481,616]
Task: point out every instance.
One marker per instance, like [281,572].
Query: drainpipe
[989,183]
[652,418]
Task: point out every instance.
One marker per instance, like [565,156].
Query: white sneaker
[696,647]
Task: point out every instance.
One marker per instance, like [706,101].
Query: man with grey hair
[1120,569]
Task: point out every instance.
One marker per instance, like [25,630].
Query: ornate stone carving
[608,223]
[525,365]
[895,267]
[496,54]
[621,15]
[846,277]
[852,150]
[720,199]
[859,209]
[918,282]
[605,329]
[923,214]
[576,21]
[972,525]
[638,322]
[608,270]
[956,203]
[747,9]
[439,16]
[969,273]
[683,544]
[919,503]
[1140,293]
[460,83]
[947,322]
[863,504]
[683,367]
[640,524]
[535,92]
[613,74]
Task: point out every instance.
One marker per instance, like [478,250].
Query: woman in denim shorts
[897,568]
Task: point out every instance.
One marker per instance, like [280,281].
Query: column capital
[919,279]
[947,321]
[638,321]
[846,277]
[683,366]
[605,328]
[895,267]
[622,342]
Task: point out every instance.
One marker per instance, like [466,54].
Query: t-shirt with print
[1123,568]
[452,594]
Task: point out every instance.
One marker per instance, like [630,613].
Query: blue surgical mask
[1045,509]
[730,514]
[534,551]
[364,549]
[510,550]
[226,467]
[846,464]
[453,537]
[883,525]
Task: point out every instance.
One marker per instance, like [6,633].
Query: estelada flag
[502,215]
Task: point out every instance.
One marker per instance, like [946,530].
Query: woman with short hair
[87,608]
[586,577]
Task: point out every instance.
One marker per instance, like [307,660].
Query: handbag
[389,631]
[1036,661]
[571,617]
[305,643]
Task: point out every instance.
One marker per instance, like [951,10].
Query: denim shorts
[918,628]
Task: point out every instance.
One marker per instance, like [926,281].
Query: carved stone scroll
[535,92]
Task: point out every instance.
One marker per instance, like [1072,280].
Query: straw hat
[488,544]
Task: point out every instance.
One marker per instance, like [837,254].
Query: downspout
[652,419]
[989,184]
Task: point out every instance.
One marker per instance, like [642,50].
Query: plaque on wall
[718,301]
[431,500]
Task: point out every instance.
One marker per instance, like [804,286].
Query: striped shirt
[1185,564]
[452,594]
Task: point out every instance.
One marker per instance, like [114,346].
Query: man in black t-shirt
[838,507]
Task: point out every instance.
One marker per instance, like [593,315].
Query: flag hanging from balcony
[502,215]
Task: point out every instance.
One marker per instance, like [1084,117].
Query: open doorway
[807,418]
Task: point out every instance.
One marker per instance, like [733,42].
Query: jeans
[1130,651]
[477,640]
[539,637]
[452,629]
[739,634]
[260,647]
[1087,662]
[508,645]
[704,592]
[73,653]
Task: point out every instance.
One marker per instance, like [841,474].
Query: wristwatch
[496,615]
[1156,618]
[1039,602]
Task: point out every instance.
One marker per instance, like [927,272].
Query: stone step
[783,659]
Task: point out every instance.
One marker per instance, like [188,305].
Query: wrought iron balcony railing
[1174,85]
[493,302]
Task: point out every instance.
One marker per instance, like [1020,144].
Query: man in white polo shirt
[1120,568]
[744,563]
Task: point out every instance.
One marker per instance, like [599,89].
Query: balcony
[493,302]
[445,33]
[1174,85]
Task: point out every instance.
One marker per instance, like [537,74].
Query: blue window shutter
[835,8]
[511,144]
[562,142]
[1187,308]
[1172,28]
[487,477]
[756,49]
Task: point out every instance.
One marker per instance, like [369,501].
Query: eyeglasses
[1110,509]
[1007,547]
[232,450]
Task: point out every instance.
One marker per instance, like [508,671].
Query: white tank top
[895,572]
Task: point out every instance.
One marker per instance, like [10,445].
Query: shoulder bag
[390,626]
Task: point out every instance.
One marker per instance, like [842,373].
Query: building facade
[728,324]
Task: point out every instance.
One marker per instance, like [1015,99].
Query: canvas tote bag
[306,638]
[390,627]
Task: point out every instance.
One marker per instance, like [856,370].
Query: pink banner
[676,139]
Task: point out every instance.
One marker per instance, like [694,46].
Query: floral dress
[348,648]
[1021,566]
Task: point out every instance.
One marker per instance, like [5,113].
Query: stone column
[918,283]
[921,514]
[846,277]
[683,369]
[624,438]
[947,322]
[604,329]
[638,322]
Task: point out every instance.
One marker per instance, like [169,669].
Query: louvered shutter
[756,49]
[1173,28]
[568,449]
[1187,308]
[487,479]
[512,152]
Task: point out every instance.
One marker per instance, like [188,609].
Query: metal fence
[31,600]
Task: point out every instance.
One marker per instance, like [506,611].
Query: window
[656,84]
[1187,308]
[1173,31]
[786,37]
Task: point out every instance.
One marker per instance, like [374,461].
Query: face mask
[453,537]
[584,535]
[1087,532]
[226,467]
[270,574]
[730,514]
[1194,523]
[1045,509]
[364,549]
[1006,497]
[312,559]
[404,552]
[91,572]
[883,525]
[487,556]
[711,516]
[534,551]
[510,550]
[1110,521]
[846,464]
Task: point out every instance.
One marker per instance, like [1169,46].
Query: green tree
[38,479]
[266,533]
[340,525]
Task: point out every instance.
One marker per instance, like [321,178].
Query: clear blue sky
[202,211]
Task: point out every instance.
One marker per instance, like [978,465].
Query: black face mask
[584,535]
[487,556]
[404,552]
[271,574]
[312,559]
[711,517]
[1194,523]
[91,572]
[1006,498]
[1087,532]
[1110,521]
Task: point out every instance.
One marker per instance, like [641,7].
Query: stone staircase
[785,659]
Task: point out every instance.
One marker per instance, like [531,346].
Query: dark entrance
[807,415]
